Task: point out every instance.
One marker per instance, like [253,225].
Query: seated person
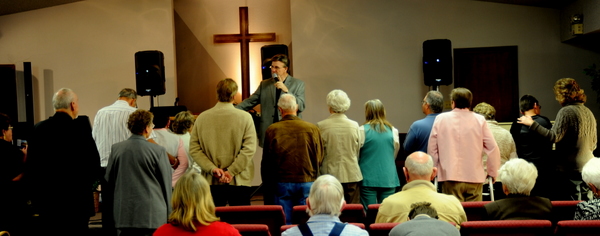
[419,172]
[423,220]
[194,210]
[325,203]
[590,210]
[518,178]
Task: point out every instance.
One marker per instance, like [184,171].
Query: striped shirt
[110,127]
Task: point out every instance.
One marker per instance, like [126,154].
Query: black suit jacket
[62,166]
[519,207]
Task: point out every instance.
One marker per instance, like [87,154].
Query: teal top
[377,160]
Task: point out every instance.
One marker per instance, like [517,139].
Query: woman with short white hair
[590,210]
[340,139]
[518,178]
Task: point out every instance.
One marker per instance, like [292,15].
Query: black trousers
[232,195]
[108,223]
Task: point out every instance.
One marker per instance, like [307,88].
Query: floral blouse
[589,210]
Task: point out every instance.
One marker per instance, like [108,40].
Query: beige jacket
[395,208]
[340,138]
[506,144]
[224,137]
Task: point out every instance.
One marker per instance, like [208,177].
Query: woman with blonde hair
[379,144]
[574,133]
[194,210]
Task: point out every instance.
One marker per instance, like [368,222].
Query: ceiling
[557,4]
[16,6]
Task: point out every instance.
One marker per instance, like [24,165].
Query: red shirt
[215,228]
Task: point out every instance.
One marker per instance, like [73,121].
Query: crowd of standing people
[163,177]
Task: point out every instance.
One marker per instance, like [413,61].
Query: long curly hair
[567,91]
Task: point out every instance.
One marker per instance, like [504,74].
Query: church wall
[89,46]
[202,63]
[370,49]
[373,49]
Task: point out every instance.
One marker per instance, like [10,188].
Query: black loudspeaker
[17,99]
[268,51]
[28,94]
[437,62]
[150,73]
[24,127]
[8,93]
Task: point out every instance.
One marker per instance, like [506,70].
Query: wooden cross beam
[244,38]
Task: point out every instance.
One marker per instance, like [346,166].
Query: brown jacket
[293,151]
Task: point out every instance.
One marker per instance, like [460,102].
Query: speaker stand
[152,100]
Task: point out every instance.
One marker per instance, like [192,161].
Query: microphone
[275,77]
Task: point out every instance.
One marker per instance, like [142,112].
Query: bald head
[419,166]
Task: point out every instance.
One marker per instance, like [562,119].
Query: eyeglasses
[10,127]
[276,67]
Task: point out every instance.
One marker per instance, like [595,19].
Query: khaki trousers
[465,192]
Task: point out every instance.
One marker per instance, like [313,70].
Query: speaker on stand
[150,74]
[437,62]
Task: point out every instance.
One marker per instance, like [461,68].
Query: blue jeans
[289,195]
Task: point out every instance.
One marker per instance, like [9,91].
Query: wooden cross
[244,38]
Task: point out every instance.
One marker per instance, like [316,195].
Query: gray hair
[128,93]
[420,169]
[326,196]
[287,102]
[518,176]
[435,99]
[62,98]
[591,172]
[338,101]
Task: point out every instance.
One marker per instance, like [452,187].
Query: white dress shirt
[110,127]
